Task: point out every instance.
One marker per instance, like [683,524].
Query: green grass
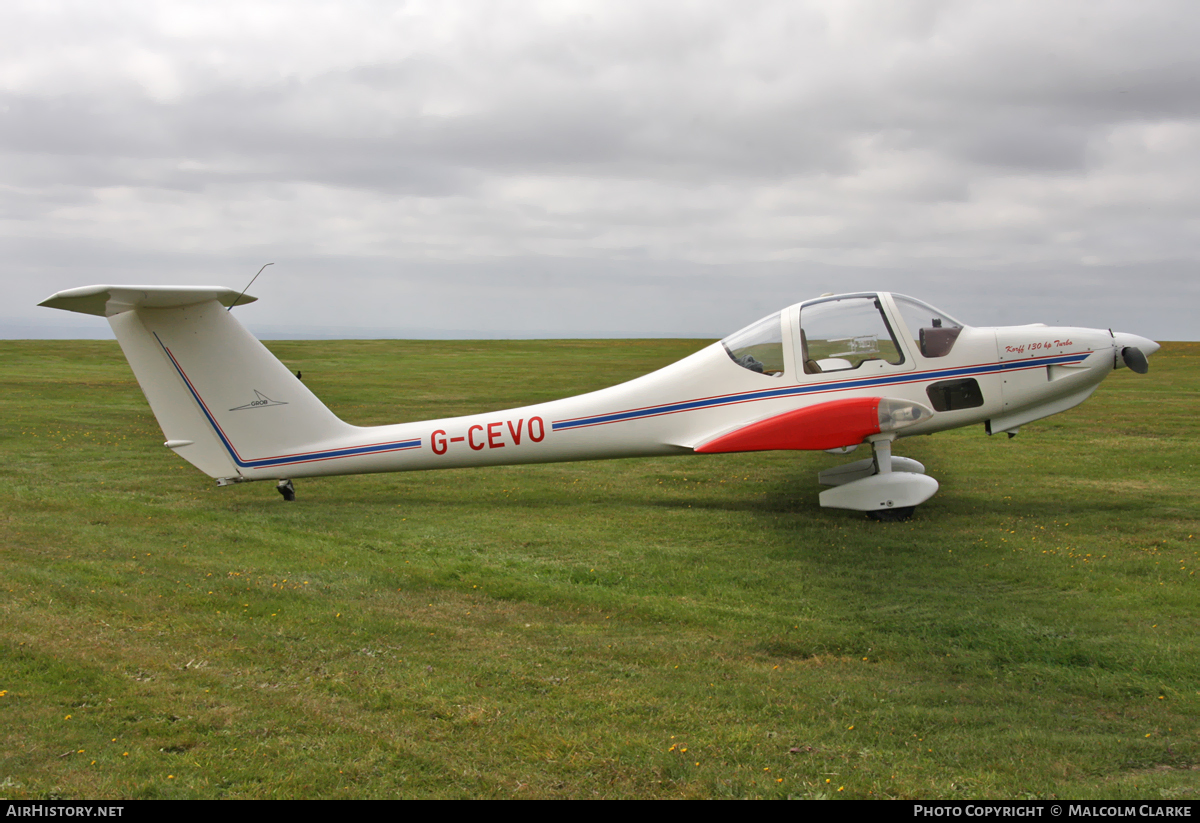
[687,627]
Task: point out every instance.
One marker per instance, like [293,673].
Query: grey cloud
[619,149]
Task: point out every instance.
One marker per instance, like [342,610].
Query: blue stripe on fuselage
[818,388]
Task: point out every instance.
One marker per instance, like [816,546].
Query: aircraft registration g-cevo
[828,374]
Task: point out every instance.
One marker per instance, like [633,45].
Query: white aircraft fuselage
[826,374]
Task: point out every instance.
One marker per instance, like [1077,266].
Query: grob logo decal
[260,401]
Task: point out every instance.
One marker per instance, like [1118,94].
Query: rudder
[223,401]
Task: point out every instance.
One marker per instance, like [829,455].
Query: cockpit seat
[810,365]
[936,341]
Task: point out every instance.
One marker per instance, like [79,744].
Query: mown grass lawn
[687,627]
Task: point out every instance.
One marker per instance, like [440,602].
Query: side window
[933,332]
[758,347]
[842,334]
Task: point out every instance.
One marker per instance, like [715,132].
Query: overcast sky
[426,169]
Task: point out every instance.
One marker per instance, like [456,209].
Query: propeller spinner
[1134,351]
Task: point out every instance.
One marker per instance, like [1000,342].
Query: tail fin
[225,403]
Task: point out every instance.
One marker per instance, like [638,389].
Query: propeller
[1135,360]
[1134,351]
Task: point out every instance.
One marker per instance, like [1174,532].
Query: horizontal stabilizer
[107,301]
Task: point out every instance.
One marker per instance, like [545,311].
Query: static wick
[248,285]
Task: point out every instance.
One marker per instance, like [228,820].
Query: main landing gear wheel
[286,488]
[896,515]
[887,488]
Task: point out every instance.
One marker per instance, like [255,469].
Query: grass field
[685,627]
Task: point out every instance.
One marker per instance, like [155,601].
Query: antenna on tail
[248,285]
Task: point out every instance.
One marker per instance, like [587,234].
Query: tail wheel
[286,488]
